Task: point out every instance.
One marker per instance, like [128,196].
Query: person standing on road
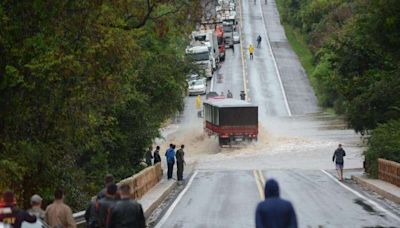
[274,211]
[156,155]
[180,162]
[59,214]
[149,156]
[229,94]
[36,210]
[338,157]
[258,41]
[126,212]
[11,215]
[251,51]
[170,155]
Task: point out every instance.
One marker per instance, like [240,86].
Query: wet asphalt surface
[296,143]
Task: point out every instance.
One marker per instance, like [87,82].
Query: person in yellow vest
[198,102]
[251,51]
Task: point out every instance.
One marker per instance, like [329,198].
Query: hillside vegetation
[355,46]
[84,88]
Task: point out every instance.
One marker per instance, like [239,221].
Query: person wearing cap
[10,214]
[36,209]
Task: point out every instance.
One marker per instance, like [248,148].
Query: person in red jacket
[10,214]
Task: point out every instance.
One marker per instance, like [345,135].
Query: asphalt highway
[295,145]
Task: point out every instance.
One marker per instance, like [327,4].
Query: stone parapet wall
[389,171]
[143,181]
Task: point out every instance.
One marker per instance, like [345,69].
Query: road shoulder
[387,190]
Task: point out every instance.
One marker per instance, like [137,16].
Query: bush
[384,143]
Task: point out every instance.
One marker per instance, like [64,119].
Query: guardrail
[140,183]
[79,218]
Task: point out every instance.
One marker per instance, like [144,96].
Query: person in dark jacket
[126,213]
[108,179]
[149,156]
[91,214]
[275,212]
[11,215]
[105,205]
[156,155]
[338,156]
[180,161]
[258,41]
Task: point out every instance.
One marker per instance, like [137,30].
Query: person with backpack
[338,156]
[105,204]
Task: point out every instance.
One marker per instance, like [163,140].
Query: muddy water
[305,142]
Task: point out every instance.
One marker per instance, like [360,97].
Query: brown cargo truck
[231,120]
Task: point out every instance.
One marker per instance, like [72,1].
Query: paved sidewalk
[156,195]
[385,189]
[153,198]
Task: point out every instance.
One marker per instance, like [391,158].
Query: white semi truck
[209,38]
[202,57]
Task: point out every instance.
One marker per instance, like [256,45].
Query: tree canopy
[84,88]
[356,50]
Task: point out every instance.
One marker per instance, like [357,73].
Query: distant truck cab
[231,120]
[202,57]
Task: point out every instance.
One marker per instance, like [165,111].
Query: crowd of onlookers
[171,157]
[111,207]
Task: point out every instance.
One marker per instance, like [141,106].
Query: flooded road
[295,145]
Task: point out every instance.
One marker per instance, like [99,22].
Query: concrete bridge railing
[389,171]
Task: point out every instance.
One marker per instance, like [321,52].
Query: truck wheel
[222,141]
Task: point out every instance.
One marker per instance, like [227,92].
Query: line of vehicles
[208,44]
[232,121]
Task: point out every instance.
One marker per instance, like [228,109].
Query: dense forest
[84,88]
[355,46]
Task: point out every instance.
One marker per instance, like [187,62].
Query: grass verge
[298,42]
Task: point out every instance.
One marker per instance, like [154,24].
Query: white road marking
[375,204]
[244,67]
[172,207]
[274,60]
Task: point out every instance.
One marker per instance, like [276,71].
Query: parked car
[198,86]
[236,38]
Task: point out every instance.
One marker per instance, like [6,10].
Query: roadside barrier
[389,171]
[143,181]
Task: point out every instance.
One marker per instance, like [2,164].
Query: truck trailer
[231,120]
